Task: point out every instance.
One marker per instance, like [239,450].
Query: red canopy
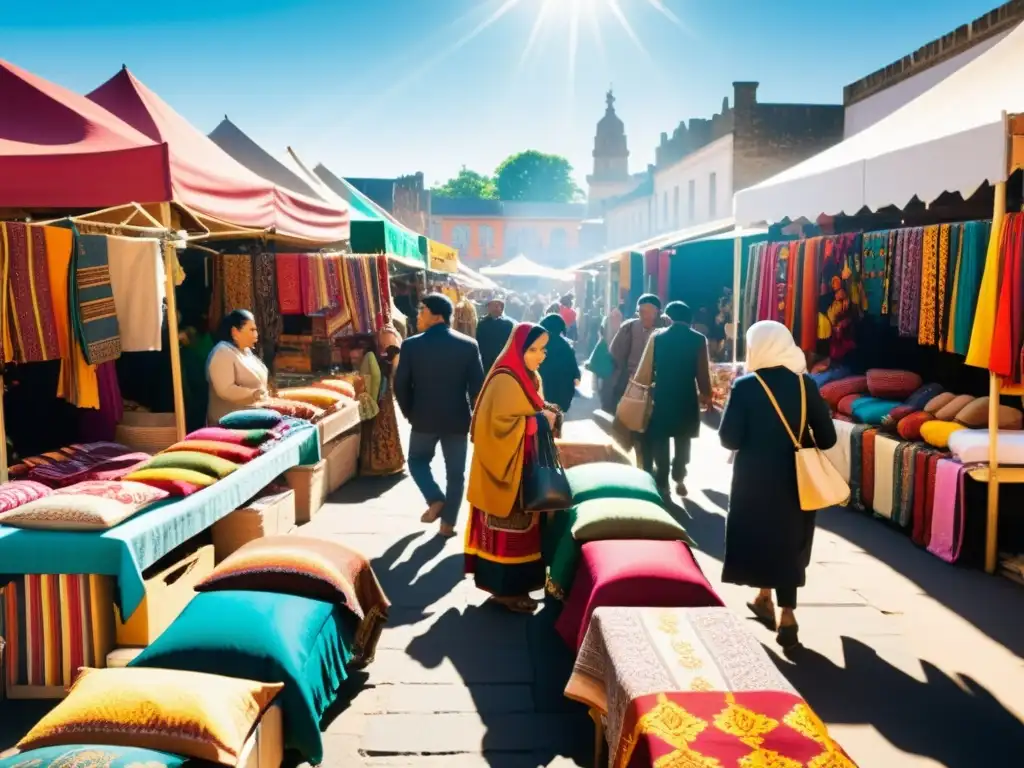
[60,150]
[210,181]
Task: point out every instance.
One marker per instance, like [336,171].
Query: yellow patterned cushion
[206,717]
[321,398]
[936,433]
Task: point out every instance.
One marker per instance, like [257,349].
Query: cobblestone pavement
[910,661]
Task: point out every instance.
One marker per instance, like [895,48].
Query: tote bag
[818,482]
[545,486]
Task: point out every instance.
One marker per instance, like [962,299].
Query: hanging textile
[93,311]
[238,282]
[974,241]
[664,265]
[929,271]
[33,325]
[839,295]
[769,301]
[137,280]
[948,285]
[1007,339]
[384,288]
[99,424]
[874,262]
[289,288]
[983,327]
[751,288]
[810,293]
[910,284]
[339,313]
[265,306]
[897,268]
[890,253]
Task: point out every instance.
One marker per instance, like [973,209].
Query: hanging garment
[948,511]
[99,424]
[792,282]
[929,271]
[948,285]
[809,293]
[898,262]
[1008,335]
[910,284]
[289,284]
[94,312]
[265,307]
[137,280]
[751,288]
[30,315]
[664,266]
[873,263]
[887,280]
[768,301]
[974,242]
[836,303]
[238,285]
[980,347]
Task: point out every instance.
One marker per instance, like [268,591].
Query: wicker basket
[147,432]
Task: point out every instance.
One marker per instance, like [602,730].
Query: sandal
[788,636]
[433,512]
[764,612]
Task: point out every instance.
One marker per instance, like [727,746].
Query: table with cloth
[126,550]
[693,687]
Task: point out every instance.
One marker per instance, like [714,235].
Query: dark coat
[492,335]
[768,537]
[438,379]
[681,372]
[559,372]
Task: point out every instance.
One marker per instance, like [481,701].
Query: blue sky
[385,87]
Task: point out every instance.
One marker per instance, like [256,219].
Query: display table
[128,549]
[338,423]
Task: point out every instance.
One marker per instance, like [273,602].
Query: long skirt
[505,561]
[380,450]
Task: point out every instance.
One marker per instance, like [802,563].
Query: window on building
[675,207]
[460,238]
[712,195]
[485,233]
[664,209]
[691,209]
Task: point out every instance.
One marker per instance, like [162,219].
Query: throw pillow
[124,491]
[938,402]
[292,565]
[177,482]
[18,492]
[206,717]
[892,385]
[251,418]
[116,469]
[605,480]
[871,410]
[95,756]
[239,454]
[924,394]
[909,427]
[250,437]
[337,385]
[835,391]
[975,415]
[292,408]
[845,406]
[321,398]
[936,433]
[601,519]
[206,463]
[73,512]
[950,410]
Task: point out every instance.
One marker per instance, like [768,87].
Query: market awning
[440,257]
[377,231]
[207,180]
[666,240]
[474,279]
[951,138]
[58,150]
[520,266]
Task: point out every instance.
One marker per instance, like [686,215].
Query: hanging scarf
[1004,358]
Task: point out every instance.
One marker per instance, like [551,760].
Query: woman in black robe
[768,537]
[560,373]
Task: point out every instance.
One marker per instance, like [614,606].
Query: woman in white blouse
[238,378]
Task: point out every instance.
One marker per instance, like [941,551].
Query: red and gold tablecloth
[652,671]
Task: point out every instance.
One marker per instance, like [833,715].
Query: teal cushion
[871,410]
[95,756]
[204,463]
[270,638]
[605,480]
[252,418]
[602,519]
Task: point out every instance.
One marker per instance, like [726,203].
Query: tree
[536,177]
[468,184]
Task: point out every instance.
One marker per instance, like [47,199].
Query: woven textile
[33,324]
[96,323]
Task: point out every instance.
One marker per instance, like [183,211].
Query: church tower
[611,160]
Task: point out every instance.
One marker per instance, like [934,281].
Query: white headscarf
[770,344]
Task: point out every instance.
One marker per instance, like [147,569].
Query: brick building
[699,167]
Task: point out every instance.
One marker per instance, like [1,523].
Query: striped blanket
[30,310]
[95,314]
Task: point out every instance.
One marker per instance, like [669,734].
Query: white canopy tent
[951,138]
[520,266]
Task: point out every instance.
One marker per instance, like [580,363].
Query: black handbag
[545,487]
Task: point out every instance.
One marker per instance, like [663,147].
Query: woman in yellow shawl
[503,543]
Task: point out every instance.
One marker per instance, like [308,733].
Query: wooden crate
[310,485]
[269,515]
[342,457]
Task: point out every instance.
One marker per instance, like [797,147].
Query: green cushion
[95,755]
[204,463]
[267,637]
[606,480]
[560,551]
[252,418]
[603,519]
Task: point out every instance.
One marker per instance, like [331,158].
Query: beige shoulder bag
[818,482]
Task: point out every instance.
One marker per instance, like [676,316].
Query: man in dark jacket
[682,388]
[492,332]
[437,382]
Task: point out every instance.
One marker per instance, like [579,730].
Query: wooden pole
[170,259]
[994,386]
[737,266]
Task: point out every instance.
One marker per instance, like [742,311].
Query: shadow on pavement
[992,604]
[367,489]
[953,721]
[410,591]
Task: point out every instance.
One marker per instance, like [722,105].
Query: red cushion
[632,573]
[910,426]
[845,406]
[239,454]
[835,391]
[888,384]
